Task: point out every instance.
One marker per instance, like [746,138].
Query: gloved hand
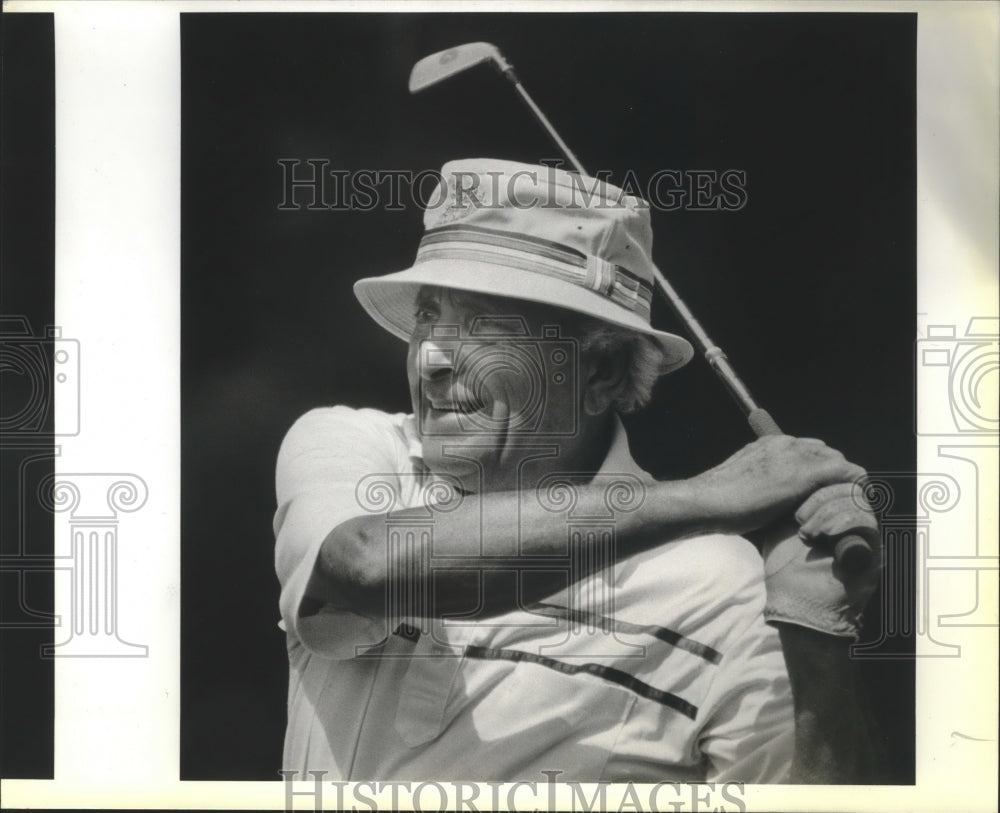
[805,586]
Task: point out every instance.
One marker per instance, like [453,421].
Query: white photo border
[117,729]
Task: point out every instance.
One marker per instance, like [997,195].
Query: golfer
[490,588]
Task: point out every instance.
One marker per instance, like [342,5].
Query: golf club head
[434,68]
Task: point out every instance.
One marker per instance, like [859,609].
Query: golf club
[444,64]
[851,551]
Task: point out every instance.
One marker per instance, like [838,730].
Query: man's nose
[437,360]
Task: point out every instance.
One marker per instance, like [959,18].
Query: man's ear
[604,377]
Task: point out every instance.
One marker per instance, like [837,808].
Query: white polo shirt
[659,668]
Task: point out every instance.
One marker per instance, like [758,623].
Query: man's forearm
[832,733]
[485,538]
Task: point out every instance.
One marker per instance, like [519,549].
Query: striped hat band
[529,253]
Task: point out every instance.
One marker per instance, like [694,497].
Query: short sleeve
[322,459]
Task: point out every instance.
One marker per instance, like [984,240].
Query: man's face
[488,375]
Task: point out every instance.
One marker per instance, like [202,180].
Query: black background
[27,290]
[810,288]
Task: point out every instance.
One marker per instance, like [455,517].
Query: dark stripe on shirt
[609,673]
[604,622]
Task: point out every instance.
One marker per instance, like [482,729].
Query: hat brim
[389,299]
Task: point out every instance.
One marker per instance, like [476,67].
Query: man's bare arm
[485,538]
[495,533]
[833,743]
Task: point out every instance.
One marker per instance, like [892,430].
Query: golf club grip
[851,551]
[762,423]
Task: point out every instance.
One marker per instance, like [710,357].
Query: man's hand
[834,511]
[769,478]
[805,586]
[756,491]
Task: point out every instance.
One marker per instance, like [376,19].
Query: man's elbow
[352,571]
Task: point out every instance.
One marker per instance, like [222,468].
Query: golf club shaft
[543,120]
[851,550]
[760,421]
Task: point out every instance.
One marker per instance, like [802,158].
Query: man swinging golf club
[490,588]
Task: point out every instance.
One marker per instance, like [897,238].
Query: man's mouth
[465,407]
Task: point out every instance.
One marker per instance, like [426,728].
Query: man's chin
[463,474]
[451,457]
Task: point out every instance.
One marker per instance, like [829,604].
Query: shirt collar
[412,438]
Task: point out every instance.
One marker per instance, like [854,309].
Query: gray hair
[644,360]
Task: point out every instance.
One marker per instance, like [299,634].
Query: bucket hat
[534,233]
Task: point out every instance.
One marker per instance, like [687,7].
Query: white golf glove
[805,586]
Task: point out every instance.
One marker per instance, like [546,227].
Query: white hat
[534,233]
